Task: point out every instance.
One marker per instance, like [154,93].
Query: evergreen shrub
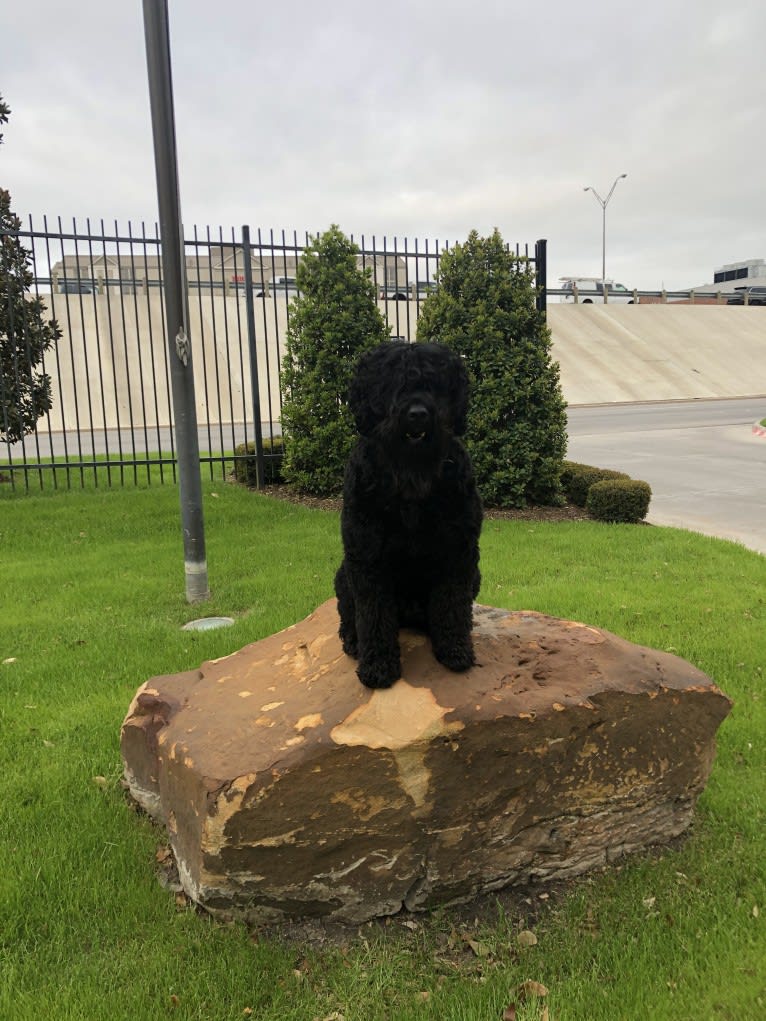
[578,478]
[333,320]
[485,309]
[25,334]
[245,466]
[619,500]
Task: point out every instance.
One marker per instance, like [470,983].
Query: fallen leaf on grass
[101,781]
[531,988]
[526,938]
[480,949]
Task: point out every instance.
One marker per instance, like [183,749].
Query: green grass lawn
[92,603]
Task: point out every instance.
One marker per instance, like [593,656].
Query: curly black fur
[411,513]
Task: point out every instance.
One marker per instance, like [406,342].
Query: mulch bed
[568,512]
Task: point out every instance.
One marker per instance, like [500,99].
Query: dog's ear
[365,396]
[457,376]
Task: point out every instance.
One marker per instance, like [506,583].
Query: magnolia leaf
[480,949]
[532,988]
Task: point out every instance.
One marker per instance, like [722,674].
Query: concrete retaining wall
[112,363]
[658,352]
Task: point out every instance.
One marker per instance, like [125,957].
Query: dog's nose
[417,416]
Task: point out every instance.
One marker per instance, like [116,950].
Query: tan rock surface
[288,789]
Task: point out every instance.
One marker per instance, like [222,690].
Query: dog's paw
[458,656]
[350,646]
[379,673]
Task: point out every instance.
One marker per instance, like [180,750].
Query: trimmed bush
[245,471]
[578,478]
[624,500]
[569,471]
[332,321]
[485,310]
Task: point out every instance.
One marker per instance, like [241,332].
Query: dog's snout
[417,415]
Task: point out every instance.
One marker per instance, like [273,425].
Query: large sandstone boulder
[288,789]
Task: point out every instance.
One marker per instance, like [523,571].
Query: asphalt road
[706,467]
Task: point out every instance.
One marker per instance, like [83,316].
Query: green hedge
[625,500]
[485,310]
[578,478]
[245,463]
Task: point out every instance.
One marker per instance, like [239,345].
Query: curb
[758,429]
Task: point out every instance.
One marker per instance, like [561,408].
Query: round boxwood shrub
[577,480]
[245,462]
[624,500]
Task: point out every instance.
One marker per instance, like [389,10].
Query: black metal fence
[111,418]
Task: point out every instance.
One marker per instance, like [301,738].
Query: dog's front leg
[377,629]
[450,619]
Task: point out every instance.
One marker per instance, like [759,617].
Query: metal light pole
[176,308]
[604,203]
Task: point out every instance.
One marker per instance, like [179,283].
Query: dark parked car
[755,296]
[75,287]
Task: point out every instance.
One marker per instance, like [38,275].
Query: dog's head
[411,397]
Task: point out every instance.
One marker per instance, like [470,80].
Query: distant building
[736,274]
[753,269]
[220,268]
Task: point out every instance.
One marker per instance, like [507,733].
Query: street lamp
[604,203]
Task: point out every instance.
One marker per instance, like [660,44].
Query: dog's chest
[410,514]
[412,530]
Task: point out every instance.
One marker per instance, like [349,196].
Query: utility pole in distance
[176,306]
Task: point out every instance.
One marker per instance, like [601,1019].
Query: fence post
[541,275]
[157,36]
[255,392]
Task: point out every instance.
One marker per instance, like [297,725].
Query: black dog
[411,513]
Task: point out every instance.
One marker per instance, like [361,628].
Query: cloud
[423,120]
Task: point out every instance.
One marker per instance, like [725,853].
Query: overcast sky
[420,119]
